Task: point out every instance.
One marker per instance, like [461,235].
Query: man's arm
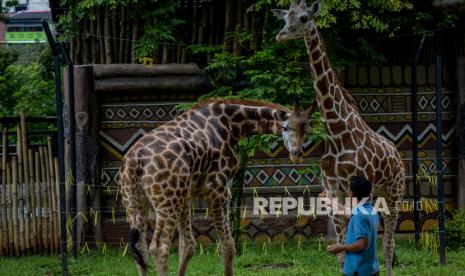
[359,245]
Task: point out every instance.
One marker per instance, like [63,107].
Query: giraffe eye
[304,18]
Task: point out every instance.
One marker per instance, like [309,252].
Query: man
[360,243]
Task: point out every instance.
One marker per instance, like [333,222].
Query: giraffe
[352,147]
[193,155]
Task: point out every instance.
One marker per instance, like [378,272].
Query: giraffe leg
[162,238]
[219,207]
[339,222]
[390,223]
[137,217]
[186,239]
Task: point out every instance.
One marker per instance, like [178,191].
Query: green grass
[285,259]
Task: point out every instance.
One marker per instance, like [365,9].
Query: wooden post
[16,233]
[32,190]
[43,173]
[20,173]
[48,200]
[38,178]
[26,184]
[10,210]
[87,148]
[461,132]
[53,196]
[4,228]
[57,194]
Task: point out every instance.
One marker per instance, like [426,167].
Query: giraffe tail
[134,235]
[128,184]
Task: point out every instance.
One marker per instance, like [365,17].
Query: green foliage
[26,84]
[23,88]
[455,230]
[8,56]
[272,74]
[158,28]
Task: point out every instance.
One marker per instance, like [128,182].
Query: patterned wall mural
[383,97]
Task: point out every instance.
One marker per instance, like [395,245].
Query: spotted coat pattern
[352,148]
[193,155]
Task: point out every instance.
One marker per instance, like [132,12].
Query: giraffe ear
[280,13]
[296,104]
[311,109]
[315,8]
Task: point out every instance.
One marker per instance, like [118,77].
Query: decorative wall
[383,98]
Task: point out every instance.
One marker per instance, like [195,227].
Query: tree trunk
[195,24]
[238,28]
[121,34]
[133,42]
[93,42]
[77,59]
[129,31]
[164,59]
[211,31]
[85,42]
[72,49]
[113,35]
[107,35]
[228,25]
[253,29]
[101,46]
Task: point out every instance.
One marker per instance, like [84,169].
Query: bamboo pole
[16,233]
[33,200]
[19,152]
[49,200]
[4,226]
[10,210]
[26,182]
[38,199]
[57,194]
[53,196]
[44,199]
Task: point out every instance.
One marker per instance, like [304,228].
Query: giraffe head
[297,18]
[295,128]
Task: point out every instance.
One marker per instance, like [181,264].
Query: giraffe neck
[335,110]
[256,120]
[231,122]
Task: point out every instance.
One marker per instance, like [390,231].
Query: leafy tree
[8,56]
[23,88]
[26,83]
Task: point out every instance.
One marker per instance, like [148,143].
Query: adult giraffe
[193,155]
[352,147]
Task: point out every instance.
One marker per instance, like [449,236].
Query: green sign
[25,37]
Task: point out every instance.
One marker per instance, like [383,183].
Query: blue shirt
[362,224]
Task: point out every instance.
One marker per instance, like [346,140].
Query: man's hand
[336,248]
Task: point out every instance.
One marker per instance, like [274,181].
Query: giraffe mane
[346,93]
[246,102]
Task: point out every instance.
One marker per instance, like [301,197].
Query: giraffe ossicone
[193,155]
[352,148]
